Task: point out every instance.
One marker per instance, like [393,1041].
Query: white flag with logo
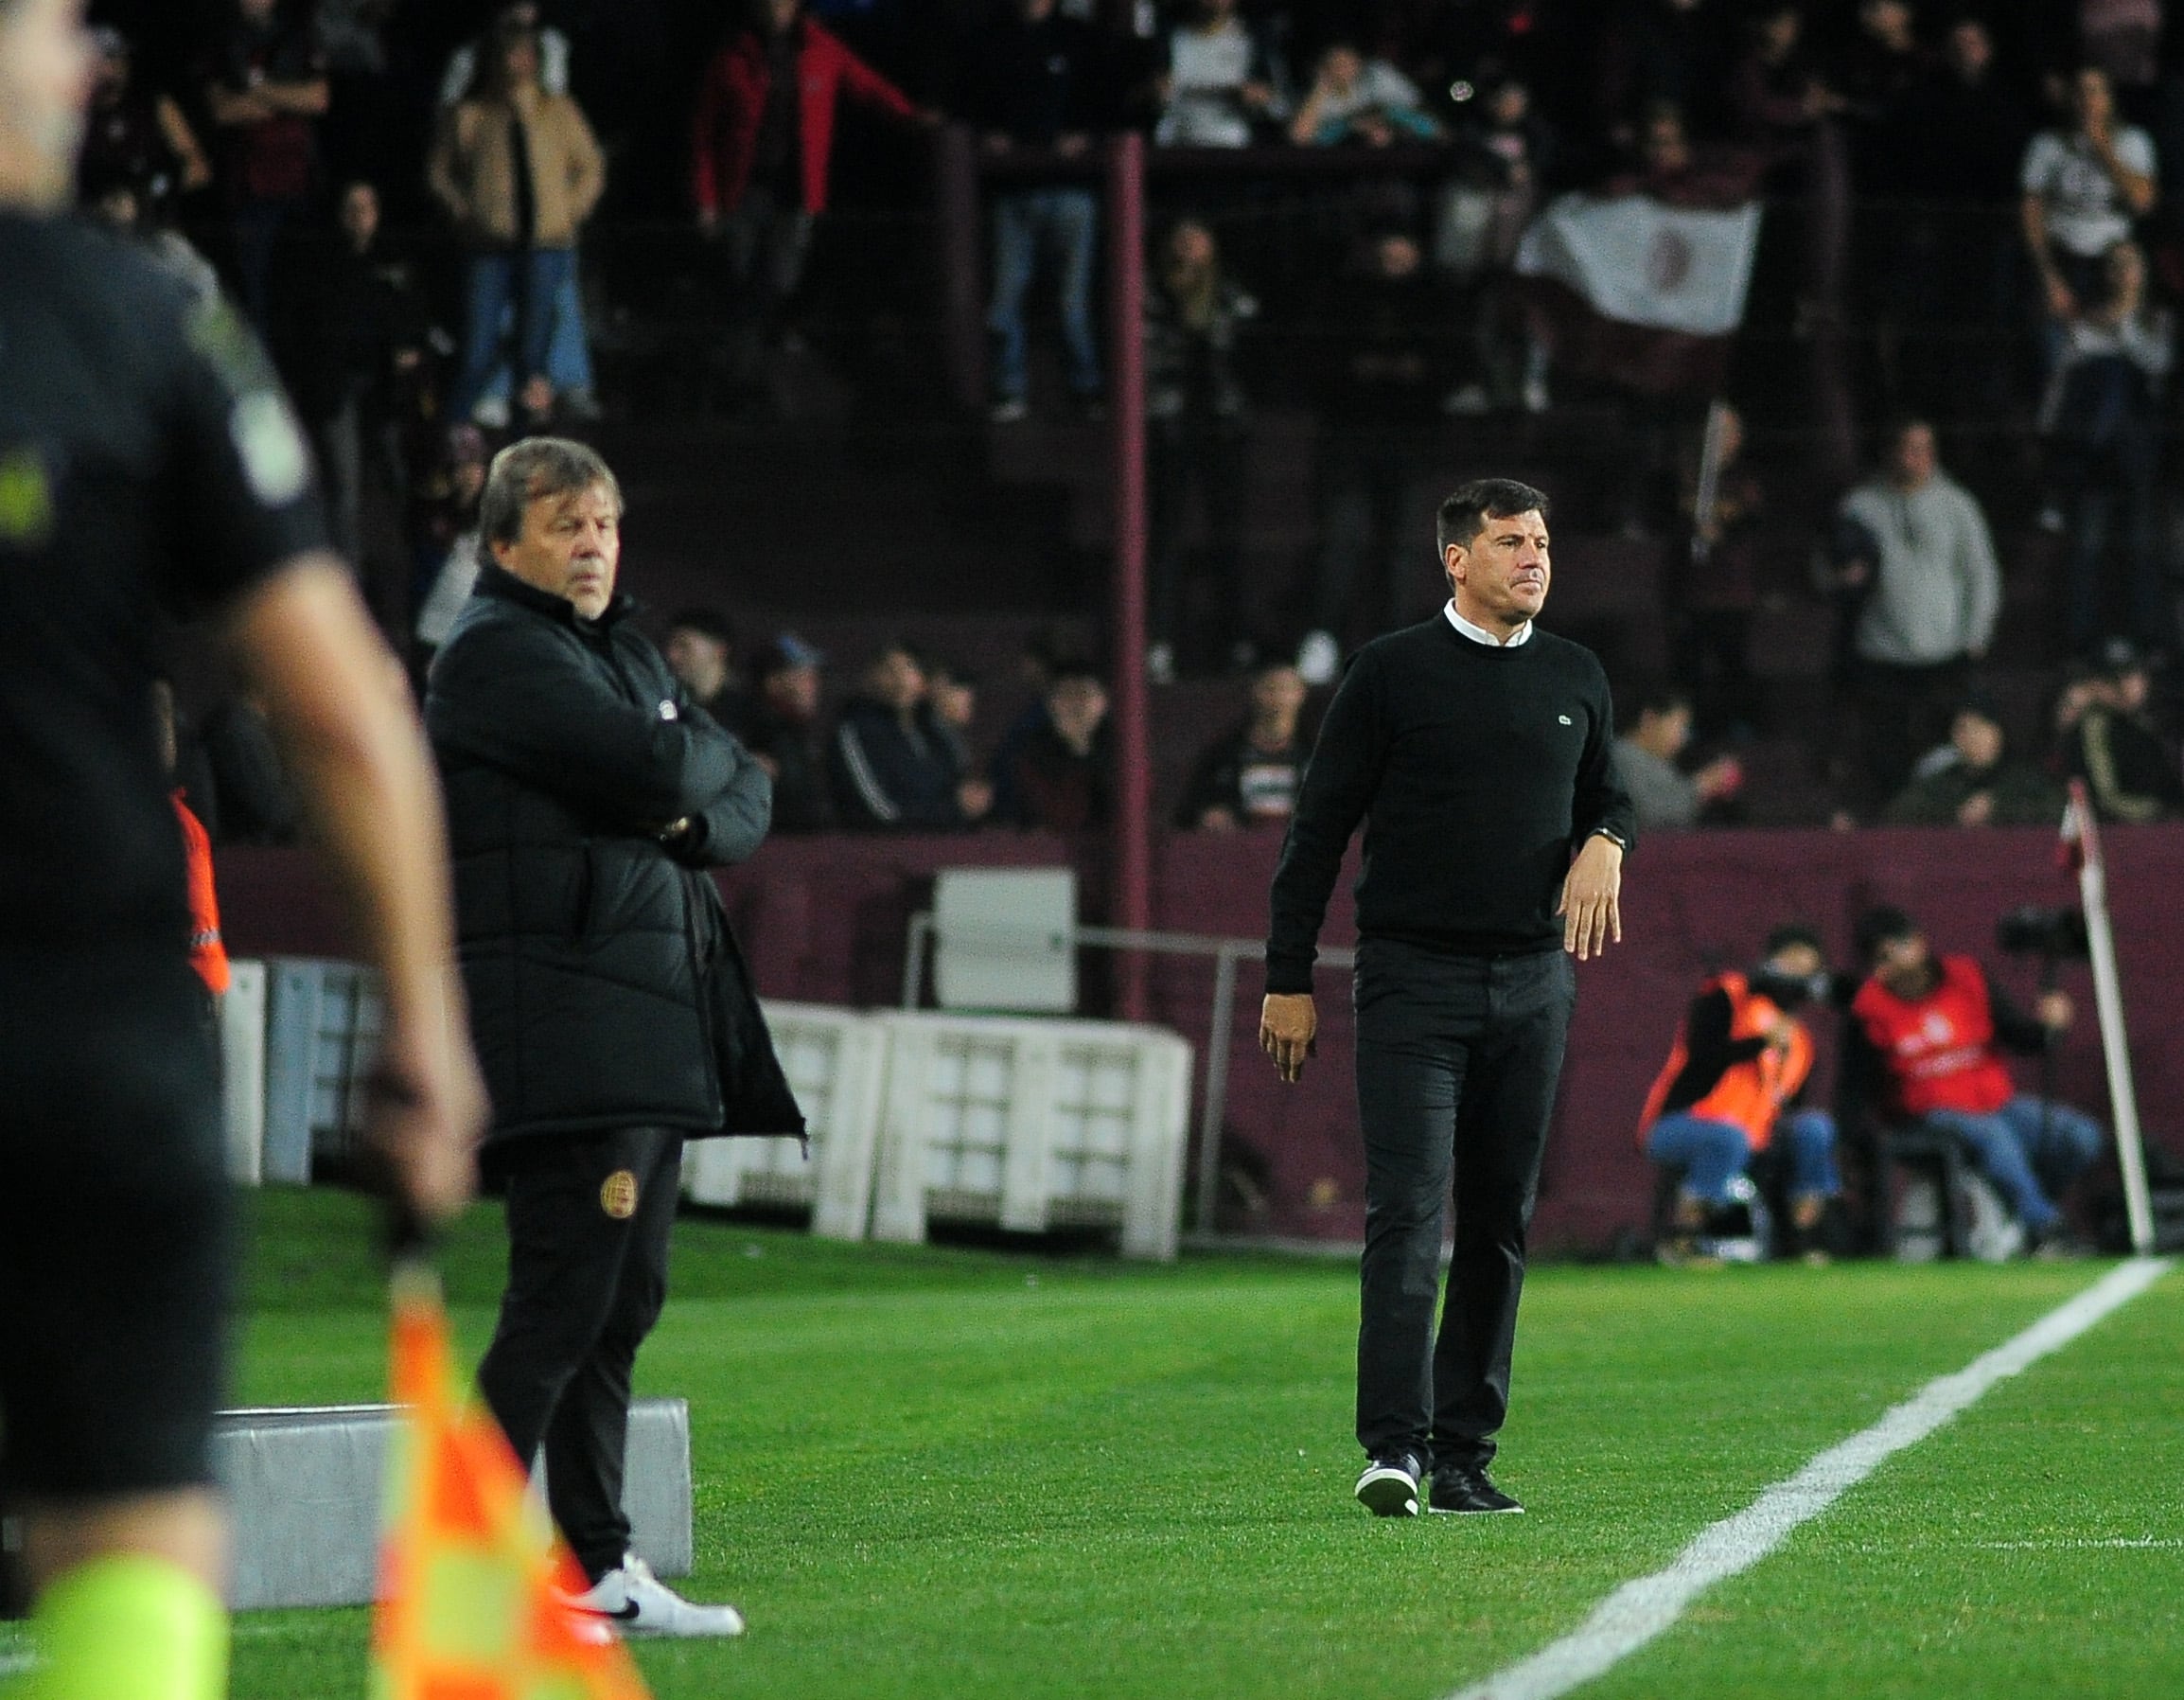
[1640,261]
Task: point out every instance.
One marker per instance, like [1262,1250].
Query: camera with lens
[2057,935]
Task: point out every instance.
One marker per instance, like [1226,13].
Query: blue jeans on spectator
[530,280]
[1064,224]
[568,350]
[2030,1149]
[1714,1154]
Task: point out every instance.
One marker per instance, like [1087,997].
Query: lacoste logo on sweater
[668,711]
[1564,718]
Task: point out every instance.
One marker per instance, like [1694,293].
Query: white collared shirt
[1479,634]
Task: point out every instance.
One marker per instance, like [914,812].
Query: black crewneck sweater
[1477,772]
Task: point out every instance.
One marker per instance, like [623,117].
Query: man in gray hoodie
[1932,596]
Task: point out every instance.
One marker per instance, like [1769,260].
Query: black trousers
[589,1221]
[1458,1062]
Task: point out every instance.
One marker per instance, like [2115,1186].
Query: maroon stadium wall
[823,920]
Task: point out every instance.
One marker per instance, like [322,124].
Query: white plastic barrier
[1033,1124]
[837,1063]
[321,1030]
[242,1071]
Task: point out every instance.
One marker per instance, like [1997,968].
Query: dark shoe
[1389,1487]
[1462,1488]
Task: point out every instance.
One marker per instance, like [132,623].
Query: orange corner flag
[469,1566]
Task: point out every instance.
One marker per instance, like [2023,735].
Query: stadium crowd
[411,199]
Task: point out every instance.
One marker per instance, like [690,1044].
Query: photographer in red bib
[1931,1030]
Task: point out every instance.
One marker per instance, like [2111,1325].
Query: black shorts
[115,1229]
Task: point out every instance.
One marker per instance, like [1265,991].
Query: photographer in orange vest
[1739,1061]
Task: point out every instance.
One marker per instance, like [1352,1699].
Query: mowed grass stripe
[941,1473]
[2032,1548]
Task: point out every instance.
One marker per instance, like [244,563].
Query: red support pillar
[1132,888]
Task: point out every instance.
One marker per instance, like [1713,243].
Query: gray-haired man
[587,797]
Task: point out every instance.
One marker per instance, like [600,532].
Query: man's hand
[1977,809]
[2056,1012]
[1288,1029]
[1592,913]
[425,1114]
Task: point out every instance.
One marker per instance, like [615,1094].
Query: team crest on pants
[618,1194]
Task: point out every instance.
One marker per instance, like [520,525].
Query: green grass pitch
[957,1473]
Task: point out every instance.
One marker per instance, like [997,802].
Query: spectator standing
[1732,1080]
[762,148]
[1503,153]
[1714,580]
[1380,415]
[1354,98]
[1958,156]
[363,339]
[1927,1035]
[1645,762]
[890,769]
[1059,778]
[1042,81]
[786,735]
[1198,425]
[137,137]
[700,651]
[266,90]
[568,344]
[1931,603]
[2118,748]
[518,171]
[1221,83]
[1249,777]
[1983,785]
[2083,189]
[2101,416]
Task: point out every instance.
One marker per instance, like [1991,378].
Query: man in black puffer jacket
[587,797]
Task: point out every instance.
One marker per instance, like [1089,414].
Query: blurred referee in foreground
[149,463]
[1474,748]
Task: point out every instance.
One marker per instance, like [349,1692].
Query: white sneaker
[638,1602]
[1318,658]
[491,412]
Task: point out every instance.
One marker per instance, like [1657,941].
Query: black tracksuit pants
[589,1221]
[1458,1062]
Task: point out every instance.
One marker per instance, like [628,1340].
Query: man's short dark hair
[525,472]
[1484,499]
[1790,934]
[707,623]
[1881,925]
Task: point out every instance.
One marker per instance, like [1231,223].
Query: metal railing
[1225,951]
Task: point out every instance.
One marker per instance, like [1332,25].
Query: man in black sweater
[1474,748]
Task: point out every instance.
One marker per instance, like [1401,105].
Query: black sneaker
[1389,1487]
[1463,1489]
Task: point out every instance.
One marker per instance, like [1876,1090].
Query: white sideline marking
[2071,1545]
[1640,1610]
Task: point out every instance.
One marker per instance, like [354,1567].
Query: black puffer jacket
[605,990]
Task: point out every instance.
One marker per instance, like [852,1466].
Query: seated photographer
[1928,1034]
[1741,1060]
